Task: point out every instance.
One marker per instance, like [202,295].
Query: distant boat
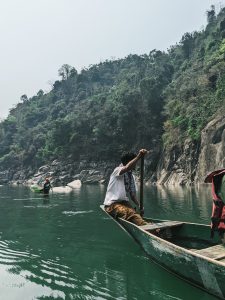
[36,189]
[184,249]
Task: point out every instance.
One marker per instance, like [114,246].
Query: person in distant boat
[121,187]
[46,187]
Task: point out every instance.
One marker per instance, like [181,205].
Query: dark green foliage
[123,104]
[98,113]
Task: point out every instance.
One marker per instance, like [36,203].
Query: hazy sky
[38,36]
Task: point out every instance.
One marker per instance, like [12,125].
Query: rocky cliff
[212,154]
[191,162]
[178,165]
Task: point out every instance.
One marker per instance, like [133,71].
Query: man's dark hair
[126,157]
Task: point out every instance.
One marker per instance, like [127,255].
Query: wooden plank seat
[161,225]
[215,252]
[222,260]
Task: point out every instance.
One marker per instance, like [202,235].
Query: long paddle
[141,186]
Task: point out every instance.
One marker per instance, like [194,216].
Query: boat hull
[35,189]
[201,271]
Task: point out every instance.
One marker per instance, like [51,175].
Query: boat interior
[194,237]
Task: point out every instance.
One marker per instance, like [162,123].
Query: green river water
[65,247]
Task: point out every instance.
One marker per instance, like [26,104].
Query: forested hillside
[105,109]
[155,100]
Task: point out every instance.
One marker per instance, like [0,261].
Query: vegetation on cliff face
[197,89]
[122,104]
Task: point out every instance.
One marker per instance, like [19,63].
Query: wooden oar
[141,186]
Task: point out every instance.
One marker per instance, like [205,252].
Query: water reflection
[191,204]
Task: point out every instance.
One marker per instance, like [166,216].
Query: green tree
[67,71]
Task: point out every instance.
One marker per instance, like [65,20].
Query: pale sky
[39,36]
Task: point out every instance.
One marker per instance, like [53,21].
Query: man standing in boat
[121,187]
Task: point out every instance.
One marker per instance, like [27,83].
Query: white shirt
[116,188]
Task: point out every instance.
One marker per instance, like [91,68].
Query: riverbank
[61,173]
[184,164]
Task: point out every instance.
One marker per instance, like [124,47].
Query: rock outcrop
[191,162]
[212,154]
[178,165]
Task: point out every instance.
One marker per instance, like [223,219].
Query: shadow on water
[64,247]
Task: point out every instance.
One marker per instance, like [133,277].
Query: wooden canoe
[184,249]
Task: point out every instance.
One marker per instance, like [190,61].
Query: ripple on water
[9,256]
[72,213]
[22,199]
[15,199]
[48,273]
[41,206]
[163,296]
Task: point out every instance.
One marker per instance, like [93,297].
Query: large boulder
[62,189]
[75,184]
